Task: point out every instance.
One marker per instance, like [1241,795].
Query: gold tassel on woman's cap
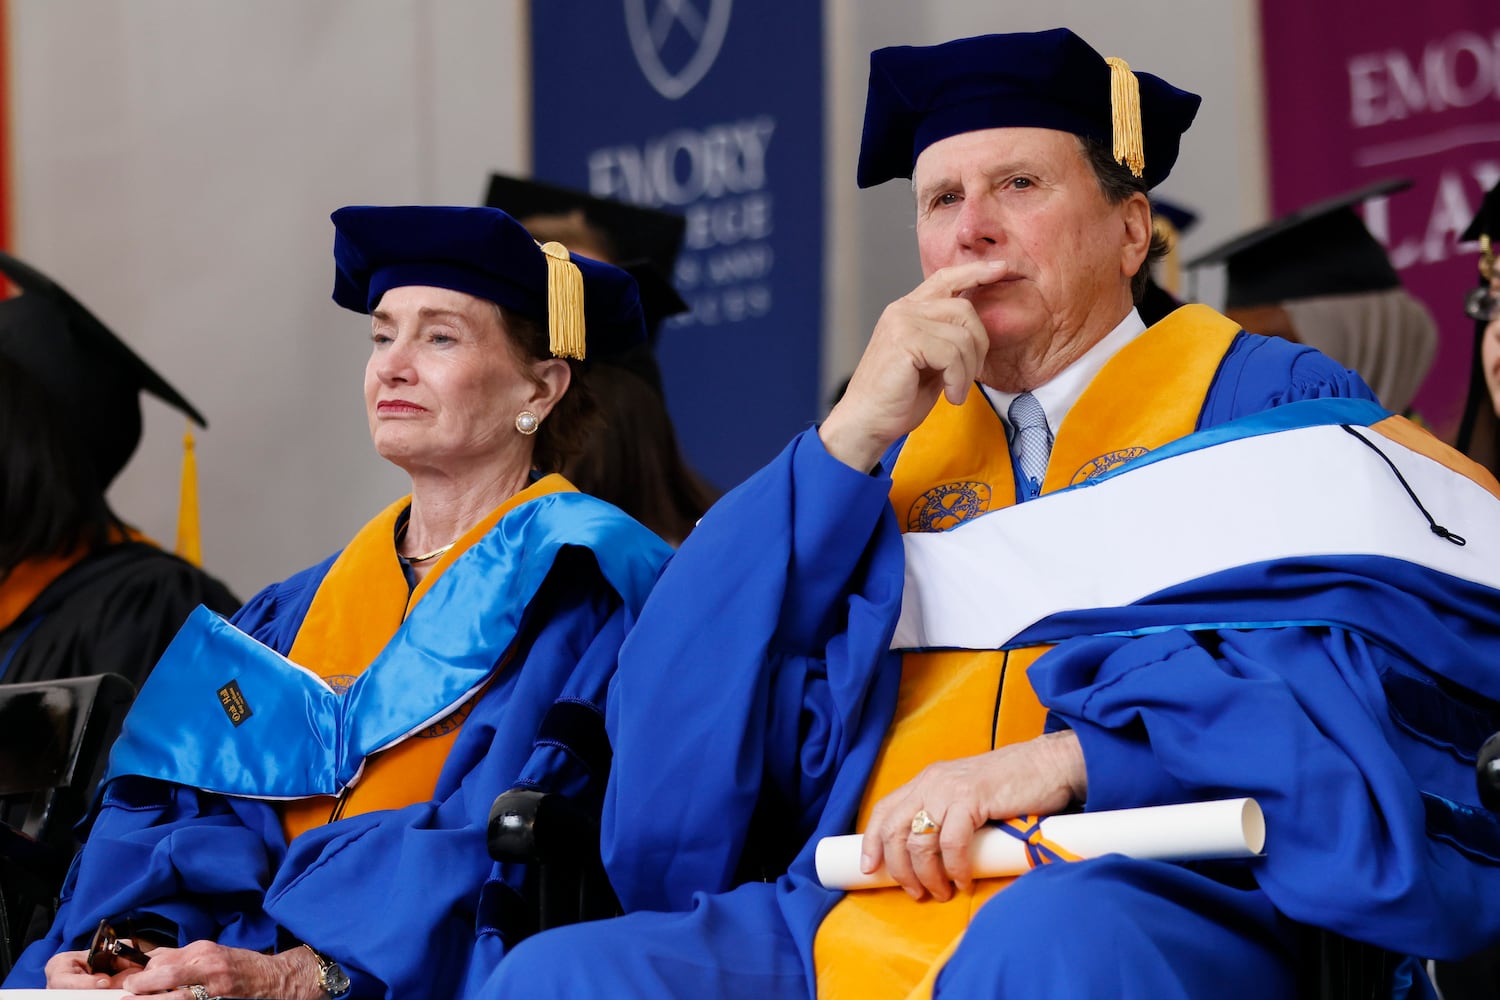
[564,302]
[1125,109]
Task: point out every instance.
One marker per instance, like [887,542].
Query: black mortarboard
[1045,79]
[634,232]
[1322,249]
[1486,221]
[1485,227]
[92,375]
[485,253]
[659,300]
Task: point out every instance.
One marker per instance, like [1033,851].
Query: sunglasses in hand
[106,950]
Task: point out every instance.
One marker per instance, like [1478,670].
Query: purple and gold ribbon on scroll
[1194,831]
[1039,850]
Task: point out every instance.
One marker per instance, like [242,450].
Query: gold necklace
[431,555]
[412,560]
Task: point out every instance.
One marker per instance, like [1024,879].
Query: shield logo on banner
[676,41]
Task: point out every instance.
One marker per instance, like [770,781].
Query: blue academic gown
[396,896]
[770,711]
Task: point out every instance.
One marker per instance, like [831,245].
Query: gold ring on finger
[923,823]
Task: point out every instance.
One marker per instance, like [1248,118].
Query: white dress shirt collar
[1058,395]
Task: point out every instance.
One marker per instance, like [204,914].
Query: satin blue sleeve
[1296,718]
[751,675]
[1259,373]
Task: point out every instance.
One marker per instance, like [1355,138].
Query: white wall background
[175,165]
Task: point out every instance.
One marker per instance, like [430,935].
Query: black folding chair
[54,746]
[559,842]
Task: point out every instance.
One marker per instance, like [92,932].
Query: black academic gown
[113,612]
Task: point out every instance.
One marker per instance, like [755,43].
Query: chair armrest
[559,844]
[1487,773]
[527,826]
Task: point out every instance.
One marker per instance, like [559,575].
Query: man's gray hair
[1118,184]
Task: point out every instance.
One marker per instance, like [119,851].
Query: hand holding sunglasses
[106,951]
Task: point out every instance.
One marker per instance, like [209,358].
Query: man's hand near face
[927,343]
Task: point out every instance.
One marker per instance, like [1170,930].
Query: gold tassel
[1486,257]
[1169,269]
[564,302]
[1125,109]
[189,539]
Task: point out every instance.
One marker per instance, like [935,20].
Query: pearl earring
[527,422]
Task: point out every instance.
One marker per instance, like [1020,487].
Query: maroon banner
[1360,90]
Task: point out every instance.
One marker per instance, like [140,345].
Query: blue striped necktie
[1032,444]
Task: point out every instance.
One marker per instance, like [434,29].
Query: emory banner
[712,109]
[1361,90]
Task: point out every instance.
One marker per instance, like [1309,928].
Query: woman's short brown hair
[563,434]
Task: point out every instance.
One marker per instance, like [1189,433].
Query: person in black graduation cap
[1316,276]
[941,609]
[318,774]
[635,462]
[1479,428]
[81,592]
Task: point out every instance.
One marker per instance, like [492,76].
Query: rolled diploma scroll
[1228,828]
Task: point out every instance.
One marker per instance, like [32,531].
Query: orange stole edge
[1423,442]
[26,581]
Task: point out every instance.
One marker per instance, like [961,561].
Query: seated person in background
[1317,277]
[1479,431]
[634,462]
[1163,292]
[80,591]
[918,627]
[340,800]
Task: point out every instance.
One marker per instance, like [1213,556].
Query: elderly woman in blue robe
[297,806]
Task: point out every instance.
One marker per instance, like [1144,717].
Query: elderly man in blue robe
[1042,558]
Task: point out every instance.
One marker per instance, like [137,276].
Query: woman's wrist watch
[331,977]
